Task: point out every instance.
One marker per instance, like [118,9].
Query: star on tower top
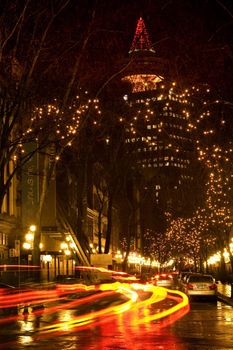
[141,41]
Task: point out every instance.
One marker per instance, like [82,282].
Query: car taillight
[189,286]
[156,277]
[213,286]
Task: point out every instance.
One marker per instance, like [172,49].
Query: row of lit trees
[214,147]
[31,61]
[209,228]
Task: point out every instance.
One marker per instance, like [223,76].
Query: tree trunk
[231,260]
[82,201]
[100,231]
[128,243]
[109,225]
[48,171]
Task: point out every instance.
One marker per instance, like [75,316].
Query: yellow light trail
[130,291]
[88,318]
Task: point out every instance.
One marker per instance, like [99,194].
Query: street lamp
[32,228]
[27,245]
[29,237]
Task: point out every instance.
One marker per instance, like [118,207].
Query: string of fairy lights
[217,159]
[59,125]
[173,127]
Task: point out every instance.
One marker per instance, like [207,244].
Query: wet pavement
[207,325]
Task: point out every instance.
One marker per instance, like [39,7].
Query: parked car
[163,280]
[183,278]
[183,275]
[199,285]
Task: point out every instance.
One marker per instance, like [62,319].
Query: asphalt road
[206,326]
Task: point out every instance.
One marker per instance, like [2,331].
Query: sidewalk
[224,293]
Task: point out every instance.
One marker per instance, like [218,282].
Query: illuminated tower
[158,125]
[141,41]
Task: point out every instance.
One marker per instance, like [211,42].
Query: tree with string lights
[33,124]
[190,239]
[214,147]
[157,246]
[208,229]
[214,155]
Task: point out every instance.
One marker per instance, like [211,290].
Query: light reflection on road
[127,310]
[158,294]
[205,327]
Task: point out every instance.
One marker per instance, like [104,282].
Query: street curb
[225,299]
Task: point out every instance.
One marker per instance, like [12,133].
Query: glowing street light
[32,228]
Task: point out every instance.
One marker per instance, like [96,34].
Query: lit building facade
[8,219]
[158,129]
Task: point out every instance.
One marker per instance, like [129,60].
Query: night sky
[196,35]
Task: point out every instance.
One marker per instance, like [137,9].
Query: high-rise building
[159,129]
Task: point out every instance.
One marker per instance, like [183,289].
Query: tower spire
[141,41]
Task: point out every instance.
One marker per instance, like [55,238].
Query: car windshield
[205,279]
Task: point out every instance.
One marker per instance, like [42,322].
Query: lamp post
[32,242]
[36,253]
